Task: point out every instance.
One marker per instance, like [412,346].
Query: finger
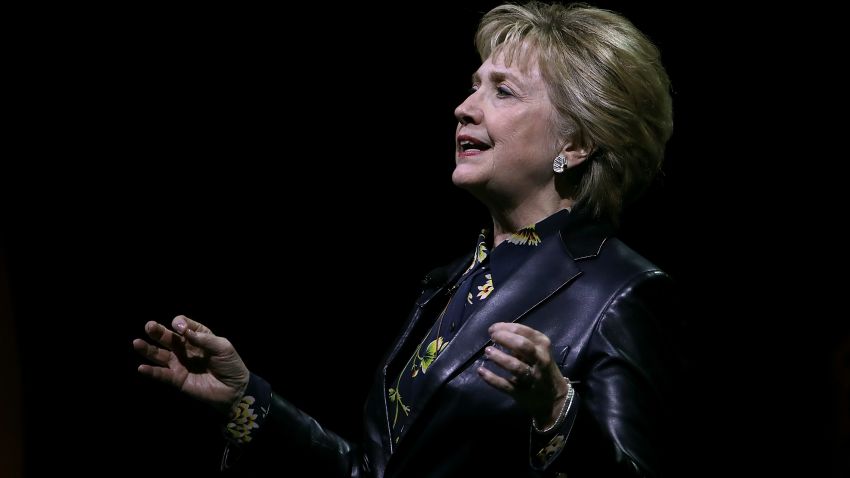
[533,335]
[543,346]
[517,345]
[208,341]
[181,323]
[158,373]
[151,352]
[162,335]
[508,362]
[495,381]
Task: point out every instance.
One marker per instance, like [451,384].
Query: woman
[539,352]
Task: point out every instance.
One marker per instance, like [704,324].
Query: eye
[503,92]
[472,90]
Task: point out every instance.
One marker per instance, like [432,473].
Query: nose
[468,111]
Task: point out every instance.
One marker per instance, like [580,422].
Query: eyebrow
[497,76]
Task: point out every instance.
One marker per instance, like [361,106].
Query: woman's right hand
[194,360]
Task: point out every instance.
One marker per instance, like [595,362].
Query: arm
[627,382]
[617,410]
[290,433]
[197,362]
[283,432]
[537,384]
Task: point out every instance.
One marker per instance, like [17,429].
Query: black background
[284,177]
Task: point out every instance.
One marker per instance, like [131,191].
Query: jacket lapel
[436,283]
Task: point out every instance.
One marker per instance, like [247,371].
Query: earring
[560,164]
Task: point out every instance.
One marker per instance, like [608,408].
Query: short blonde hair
[607,83]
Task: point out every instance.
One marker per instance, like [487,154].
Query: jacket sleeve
[546,446]
[285,437]
[627,381]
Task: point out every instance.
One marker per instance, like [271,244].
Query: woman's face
[505,140]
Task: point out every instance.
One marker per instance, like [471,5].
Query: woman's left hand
[534,379]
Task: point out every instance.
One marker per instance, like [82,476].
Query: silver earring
[559,164]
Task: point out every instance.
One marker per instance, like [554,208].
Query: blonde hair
[607,83]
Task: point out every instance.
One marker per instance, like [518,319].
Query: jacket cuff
[545,446]
[249,413]
[246,418]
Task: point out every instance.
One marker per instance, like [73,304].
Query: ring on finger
[524,378]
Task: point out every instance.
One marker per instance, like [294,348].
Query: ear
[574,154]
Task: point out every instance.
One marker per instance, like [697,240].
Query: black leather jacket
[600,304]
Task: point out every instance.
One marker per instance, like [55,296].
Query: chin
[469,174]
[463,178]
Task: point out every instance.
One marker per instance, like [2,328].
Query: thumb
[181,323]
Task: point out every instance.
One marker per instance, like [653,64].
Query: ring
[525,377]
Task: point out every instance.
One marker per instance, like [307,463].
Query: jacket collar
[583,235]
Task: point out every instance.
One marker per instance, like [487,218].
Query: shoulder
[618,268]
[640,297]
[617,257]
[594,247]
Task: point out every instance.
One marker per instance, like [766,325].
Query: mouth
[468,145]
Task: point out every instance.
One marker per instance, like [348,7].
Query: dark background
[290,187]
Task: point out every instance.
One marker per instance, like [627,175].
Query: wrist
[558,412]
[239,391]
[546,421]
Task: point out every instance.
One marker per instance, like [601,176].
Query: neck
[509,221]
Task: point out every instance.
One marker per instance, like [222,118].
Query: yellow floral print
[244,420]
[547,452]
[469,298]
[525,236]
[395,397]
[435,347]
[420,363]
[486,289]
[482,252]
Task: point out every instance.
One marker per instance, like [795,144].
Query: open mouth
[471,144]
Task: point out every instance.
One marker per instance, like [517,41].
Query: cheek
[529,143]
